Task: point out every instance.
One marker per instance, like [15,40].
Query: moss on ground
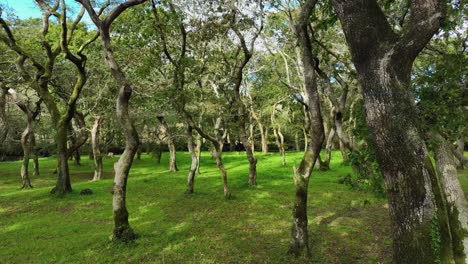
[346,226]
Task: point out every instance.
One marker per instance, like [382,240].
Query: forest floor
[345,225]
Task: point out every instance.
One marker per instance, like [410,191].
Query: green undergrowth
[345,225]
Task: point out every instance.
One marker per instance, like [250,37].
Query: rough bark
[299,241]
[457,206]
[383,60]
[122,230]
[96,148]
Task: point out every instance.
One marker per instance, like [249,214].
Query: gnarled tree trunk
[383,60]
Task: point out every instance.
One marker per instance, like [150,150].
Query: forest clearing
[233,131]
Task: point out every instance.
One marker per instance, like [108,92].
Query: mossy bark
[457,206]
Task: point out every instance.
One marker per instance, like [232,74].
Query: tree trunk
[26,144]
[35,153]
[420,225]
[279,138]
[170,144]
[95,144]
[306,140]
[299,241]
[219,162]
[457,206]
[138,154]
[328,148]
[172,157]
[122,230]
[3,117]
[199,142]
[296,142]
[263,137]
[459,153]
[194,164]
[77,158]
[344,155]
[63,184]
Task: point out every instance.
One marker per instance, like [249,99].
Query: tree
[383,60]
[122,230]
[44,71]
[300,236]
[27,137]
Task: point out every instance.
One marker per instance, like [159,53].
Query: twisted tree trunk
[122,230]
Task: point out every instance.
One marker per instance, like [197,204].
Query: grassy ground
[345,226]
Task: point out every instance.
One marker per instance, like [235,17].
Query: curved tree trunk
[300,241]
[95,144]
[457,206]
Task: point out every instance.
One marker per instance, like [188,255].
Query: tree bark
[95,144]
[299,241]
[63,184]
[279,138]
[26,144]
[296,141]
[3,116]
[344,155]
[263,137]
[457,206]
[459,153]
[194,164]
[383,60]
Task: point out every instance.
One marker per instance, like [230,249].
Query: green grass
[345,226]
